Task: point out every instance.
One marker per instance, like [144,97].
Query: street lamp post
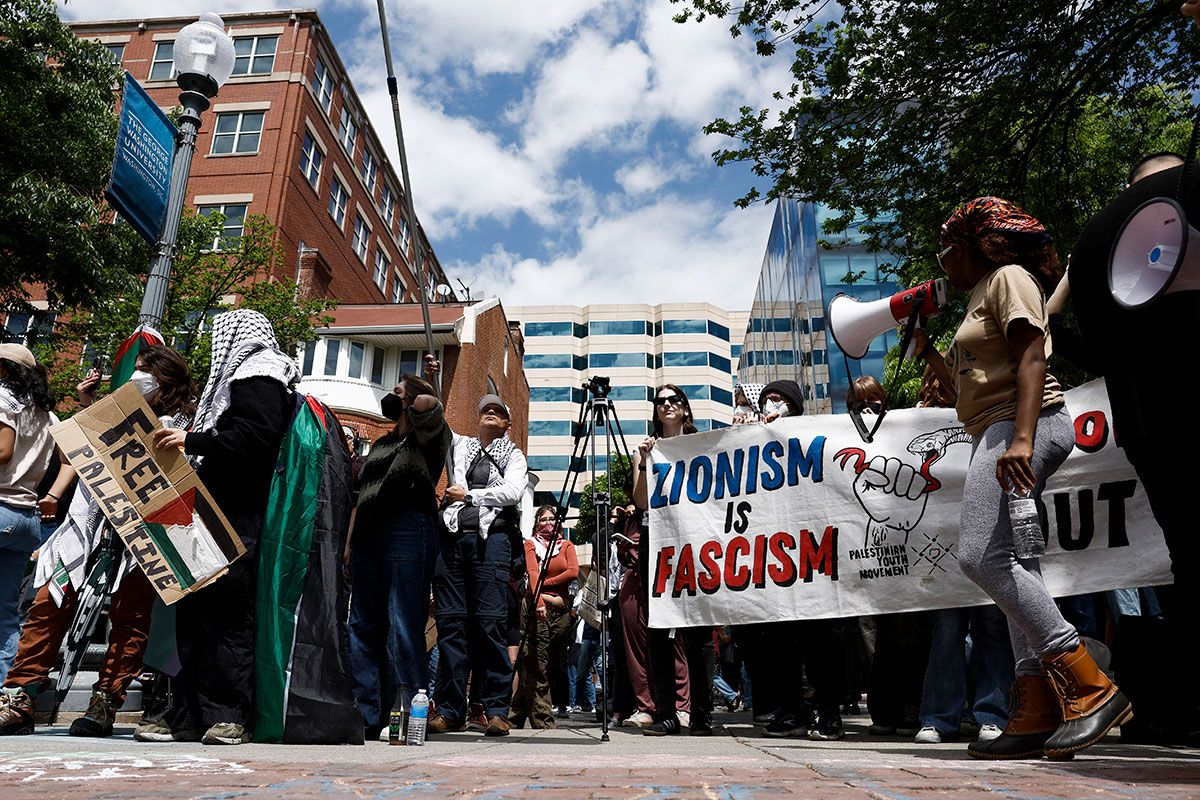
[203,62]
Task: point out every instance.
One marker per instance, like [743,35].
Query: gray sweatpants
[985,547]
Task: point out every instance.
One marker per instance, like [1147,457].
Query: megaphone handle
[911,351]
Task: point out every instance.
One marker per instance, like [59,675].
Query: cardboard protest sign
[153,498]
[800,519]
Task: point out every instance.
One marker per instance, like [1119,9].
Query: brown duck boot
[16,712]
[1091,703]
[99,719]
[1034,715]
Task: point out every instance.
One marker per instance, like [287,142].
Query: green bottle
[398,718]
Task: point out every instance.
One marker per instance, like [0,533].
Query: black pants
[817,644]
[701,663]
[214,631]
[470,593]
[902,643]
[620,698]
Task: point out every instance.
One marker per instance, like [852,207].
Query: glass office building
[786,336]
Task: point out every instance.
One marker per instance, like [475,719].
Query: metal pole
[154,302]
[409,210]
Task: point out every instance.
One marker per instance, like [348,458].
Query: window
[311,159]
[322,85]
[410,362]
[611,360]
[638,392]
[633,327]
[703,424]
[397,288]
[378,354]
[117,51]
[237,132]
[387,201]
[362,235]
[556,394]
[722,396]
[332,350]
[735,351]
[548,360]
[693,359]
[310,352]
[338,197]
[28,329]
[381,269]
[357,351]
[551,428]
[695,391]
[162,68]
[348,129]
[719,362]
[684,326]
[254,55]
[231,228]
[719,331]
[553,463]
[403,237]
[369,170]
[547,328]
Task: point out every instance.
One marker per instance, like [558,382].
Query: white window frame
[370,170]
[322,85]
[239,132]
[397,287]
[348,123]
[382,267]
[155,61]
[360,241]
[117,51]
[222,238]
[387,203]
[309,156]
[254,55]
[339,198]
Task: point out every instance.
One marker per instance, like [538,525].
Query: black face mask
[392,406]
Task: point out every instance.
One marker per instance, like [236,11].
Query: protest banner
[153,498]
[800,519]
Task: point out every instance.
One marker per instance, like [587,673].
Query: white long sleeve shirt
[507,491]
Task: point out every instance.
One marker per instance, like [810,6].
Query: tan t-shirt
[980,358]
[32,449]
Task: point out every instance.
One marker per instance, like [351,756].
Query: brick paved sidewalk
[572,763]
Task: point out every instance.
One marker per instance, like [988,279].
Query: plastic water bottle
[1028,541]
[398,718]
[418,716]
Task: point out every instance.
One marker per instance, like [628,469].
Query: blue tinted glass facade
[670,326]
[632,327]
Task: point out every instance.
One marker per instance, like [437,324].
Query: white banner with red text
[799,519]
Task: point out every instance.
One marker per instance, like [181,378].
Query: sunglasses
[673,399]
[945,252]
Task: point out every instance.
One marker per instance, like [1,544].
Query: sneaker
[439,724]
[156,731]
[910,725]
[187,735]
[786,727]
[667,727]
[16,713]
[928,735]
[226,733]
[497,726]
[988,732]
[639,719]
[881,730]
[685,719]
[574,710]
[562,713]
[476,718]
[827,730]
[98,720]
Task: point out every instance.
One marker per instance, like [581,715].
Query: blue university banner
[141,173]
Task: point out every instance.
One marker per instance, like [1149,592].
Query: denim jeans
[989,669]
[20,535]
[724,689]
[391,566]
[589,661]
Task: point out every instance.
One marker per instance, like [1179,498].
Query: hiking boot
[497,726]
[439,724]
[16,713]
[1034,715]
[226,733]
[98,720]
[1091,703]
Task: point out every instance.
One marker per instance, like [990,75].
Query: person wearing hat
[470,584]
[25,452]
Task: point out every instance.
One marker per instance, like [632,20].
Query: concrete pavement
[572,762]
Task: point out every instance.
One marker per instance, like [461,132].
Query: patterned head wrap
[752,391]
[989,215]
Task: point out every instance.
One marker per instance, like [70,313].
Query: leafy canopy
[620,470]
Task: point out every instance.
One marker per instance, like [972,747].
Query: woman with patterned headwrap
[241,419]
[1014,410]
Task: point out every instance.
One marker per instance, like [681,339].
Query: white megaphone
[854,324]
[1157,252]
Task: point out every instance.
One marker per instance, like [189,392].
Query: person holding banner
[25,452]
[162,376]
[1014,411]
[673,417]
[243,414]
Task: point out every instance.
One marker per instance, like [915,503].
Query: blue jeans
[589,661]
[20,535]
[391,568]
[989,669]
[724,689]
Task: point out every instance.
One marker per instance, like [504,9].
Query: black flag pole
[410,213]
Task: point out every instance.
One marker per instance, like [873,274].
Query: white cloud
[671,250]
[649,175]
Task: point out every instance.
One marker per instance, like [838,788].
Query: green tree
[620,470]
[57,137]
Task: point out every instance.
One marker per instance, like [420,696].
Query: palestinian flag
[301,672]
[126,356]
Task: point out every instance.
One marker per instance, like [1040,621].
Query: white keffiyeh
[464,454]
[243,346]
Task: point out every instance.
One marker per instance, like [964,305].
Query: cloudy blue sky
[555,146]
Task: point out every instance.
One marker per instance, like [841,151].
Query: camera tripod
[596,412]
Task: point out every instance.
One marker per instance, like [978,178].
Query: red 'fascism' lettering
[780,559]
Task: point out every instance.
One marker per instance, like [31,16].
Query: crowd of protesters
[518,636]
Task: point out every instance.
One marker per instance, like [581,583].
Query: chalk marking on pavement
[114,766]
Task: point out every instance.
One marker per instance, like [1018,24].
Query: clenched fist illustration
[894,497]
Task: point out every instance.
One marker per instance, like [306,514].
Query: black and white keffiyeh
[243,346]
[499,450]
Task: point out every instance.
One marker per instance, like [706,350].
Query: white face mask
[146,383]
[775,407]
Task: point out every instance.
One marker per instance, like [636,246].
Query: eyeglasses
[673,399]
[945,252]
